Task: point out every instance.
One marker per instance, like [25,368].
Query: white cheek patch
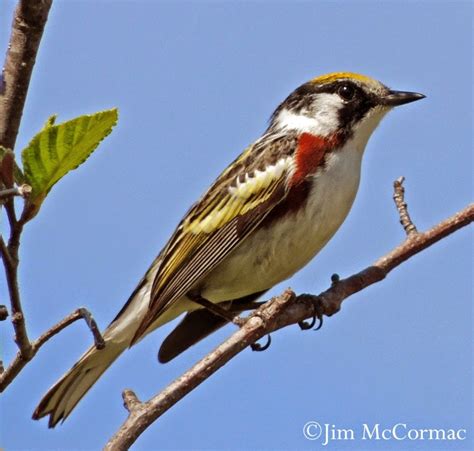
[323,121]
[260,179]
[291,121]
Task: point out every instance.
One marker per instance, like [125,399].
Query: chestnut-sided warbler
[265,217]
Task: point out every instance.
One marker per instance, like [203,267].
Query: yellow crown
[334,76]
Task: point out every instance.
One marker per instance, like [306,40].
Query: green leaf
[58,149]
[17,173]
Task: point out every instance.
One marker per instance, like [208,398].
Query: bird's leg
[228,316]
[214,308]
[251,305]
[318,309]
[247,306]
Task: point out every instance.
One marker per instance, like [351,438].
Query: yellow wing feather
[235,204]
[219,211]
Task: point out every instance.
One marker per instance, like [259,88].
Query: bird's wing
[227,213]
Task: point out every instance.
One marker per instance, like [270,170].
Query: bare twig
[80,313]
[131,401]
[269,318]
[27,29]
[8,193]
[399,199]
[19,362]
[23,191]
[10,262]
[5,253]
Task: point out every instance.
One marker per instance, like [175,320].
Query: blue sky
[195,83]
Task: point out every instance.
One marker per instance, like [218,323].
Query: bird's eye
[346,92]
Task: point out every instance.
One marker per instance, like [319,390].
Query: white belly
[273,254]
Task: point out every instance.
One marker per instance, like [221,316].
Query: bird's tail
[69,390]
[64,395]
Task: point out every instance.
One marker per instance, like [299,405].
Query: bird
[263,219]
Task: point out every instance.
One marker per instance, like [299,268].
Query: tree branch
[280,312]
[10,262]
[20,361]
[402,208]
[22,191]
[27,29]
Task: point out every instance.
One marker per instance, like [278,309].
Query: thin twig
[22,191]
[5,253]
[80,313]
[266,320]
[130,400]
[8,193]
[11,214]
[27,29]
[19,362]
[402,208]
[10,262]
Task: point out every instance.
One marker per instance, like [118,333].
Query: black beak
[396,98]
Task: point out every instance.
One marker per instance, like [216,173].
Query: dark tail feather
[197,325]
[194,327]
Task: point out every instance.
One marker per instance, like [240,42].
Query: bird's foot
[257,347]
[318,310]
[230,316]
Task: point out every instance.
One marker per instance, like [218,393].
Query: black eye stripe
[353,109]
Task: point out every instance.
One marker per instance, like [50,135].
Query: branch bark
[27,29]
[22,191]
[402,208]
[280,312]
[20,361]
[10,262]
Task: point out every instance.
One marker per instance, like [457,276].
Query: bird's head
[341,104]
